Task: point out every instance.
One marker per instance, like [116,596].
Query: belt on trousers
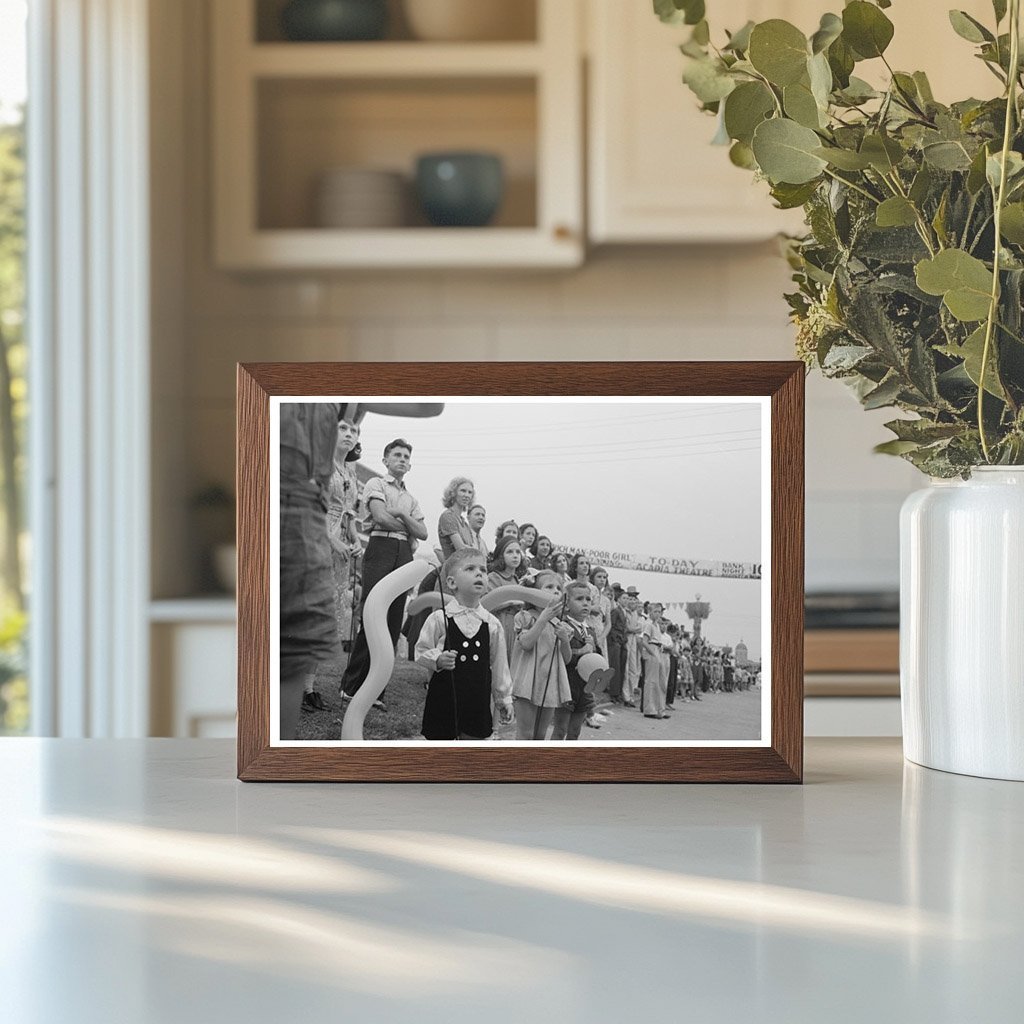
[385,533]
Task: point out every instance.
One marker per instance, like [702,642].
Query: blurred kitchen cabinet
[653,175]
[193,671]
[286,114]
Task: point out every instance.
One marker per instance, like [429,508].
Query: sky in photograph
[680,480]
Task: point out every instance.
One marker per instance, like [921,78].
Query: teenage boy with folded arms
[394,519]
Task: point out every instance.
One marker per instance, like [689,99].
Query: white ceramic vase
[962,624]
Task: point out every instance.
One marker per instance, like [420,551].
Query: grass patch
[404,698]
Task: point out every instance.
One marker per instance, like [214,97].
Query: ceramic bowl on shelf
[361,198]
[332,21]
[460,189]
[466,21]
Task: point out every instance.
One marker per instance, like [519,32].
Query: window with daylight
[14,546]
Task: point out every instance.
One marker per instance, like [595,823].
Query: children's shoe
[312,701]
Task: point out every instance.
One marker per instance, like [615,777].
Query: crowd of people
[521,661]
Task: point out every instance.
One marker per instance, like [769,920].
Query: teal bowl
[334,21]
[460,190]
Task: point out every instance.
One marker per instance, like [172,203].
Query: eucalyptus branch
[1006,330]
[969,218]
[771,89]
[923,228]
[1000,198]
[977,238]
[853,185]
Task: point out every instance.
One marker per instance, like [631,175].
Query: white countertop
[144,885]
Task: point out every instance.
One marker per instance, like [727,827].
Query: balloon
[421,602]
[592,668]
[513,594]
[378,639]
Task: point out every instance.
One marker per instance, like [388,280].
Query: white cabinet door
[653,174]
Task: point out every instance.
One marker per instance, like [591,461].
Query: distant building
[741,655]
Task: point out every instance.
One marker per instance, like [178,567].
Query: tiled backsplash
[700,303]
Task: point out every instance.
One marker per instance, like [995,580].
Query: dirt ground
[717,716]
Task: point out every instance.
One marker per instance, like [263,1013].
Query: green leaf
[885,394]
[947,156]
[676,12]
[820,76]
[800,105]
[924,88]
[739,41]
[976,174]
[829,30]
[707,80]
[1012,223]
[895,447]
[999,7]
[963,281]
[778,50]
[742,155]
[923,431]
[785,152]
[701,33]
[866,29]
[883,153]
[841,60]
[971,352]
[994,167]
[789,197]
[896,212]
[694,10]
[906,89]
[745,108]
[939,220]
[921,185]
[721,137]
[844,159]
[968,28]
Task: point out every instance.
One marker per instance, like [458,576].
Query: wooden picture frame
[780,759]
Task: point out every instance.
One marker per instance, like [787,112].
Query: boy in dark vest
[463,645]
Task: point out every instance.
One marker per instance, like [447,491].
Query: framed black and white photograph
[585,572]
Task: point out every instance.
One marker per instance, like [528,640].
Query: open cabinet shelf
[288,114]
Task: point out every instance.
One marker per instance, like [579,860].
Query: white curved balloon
[378,640]
[421,602]
[497,598]
[513,593]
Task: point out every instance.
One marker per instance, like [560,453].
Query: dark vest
[459,701]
